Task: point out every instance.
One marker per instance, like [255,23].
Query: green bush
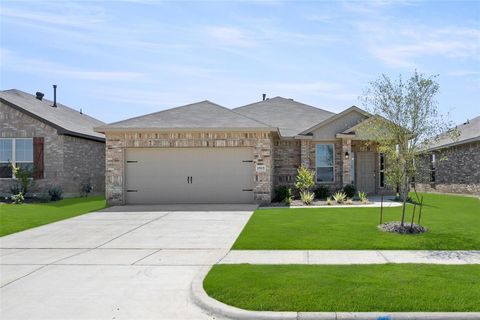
[307,197]
[289,197]
[280,193]
[55,193]
[18,198]
[340,197]
[322,192]
[305,180]
[349,190]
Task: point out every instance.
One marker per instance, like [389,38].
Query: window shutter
[38,157]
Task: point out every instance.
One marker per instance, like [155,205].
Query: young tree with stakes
[405,120]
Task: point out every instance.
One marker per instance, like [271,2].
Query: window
[382,170]
[324,162]
[18,152]
[433,168]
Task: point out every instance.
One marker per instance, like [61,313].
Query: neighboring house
[56,143]
[205,153]
[453,165]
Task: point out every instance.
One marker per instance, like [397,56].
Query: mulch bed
[407,228]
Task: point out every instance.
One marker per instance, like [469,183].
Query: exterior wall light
[347,155]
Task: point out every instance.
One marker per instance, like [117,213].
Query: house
[452,165]
[56,143]
[205,153]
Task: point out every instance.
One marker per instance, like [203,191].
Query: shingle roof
[200,115]
[289,116]
[469,132]
[64,119]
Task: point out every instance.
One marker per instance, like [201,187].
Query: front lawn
[390,287]
[453,223]
[15,218]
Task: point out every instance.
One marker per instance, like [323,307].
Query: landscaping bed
[19,217]
[452,222]
[352,288]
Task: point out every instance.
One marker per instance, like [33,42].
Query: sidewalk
[350,257]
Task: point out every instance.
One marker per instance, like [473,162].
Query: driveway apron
[131,262]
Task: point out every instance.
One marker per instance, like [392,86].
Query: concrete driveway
[132,262]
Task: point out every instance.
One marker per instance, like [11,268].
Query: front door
[365,172]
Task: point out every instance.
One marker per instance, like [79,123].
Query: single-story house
[452,165]
[206,153]
[55,143]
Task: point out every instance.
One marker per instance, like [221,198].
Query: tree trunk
[404,195]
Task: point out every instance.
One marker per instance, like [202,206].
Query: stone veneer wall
[286,161]
[84,161]
[16,124]
[459,172]
[117,141]
[68,161]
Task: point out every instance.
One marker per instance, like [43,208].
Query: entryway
[365,172]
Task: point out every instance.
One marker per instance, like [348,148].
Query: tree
[405,120]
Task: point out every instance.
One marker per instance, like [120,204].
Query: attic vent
[264,96]
[39,95]
[54,96]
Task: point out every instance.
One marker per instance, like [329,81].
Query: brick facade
[457,170]
[116,142]
[68,161]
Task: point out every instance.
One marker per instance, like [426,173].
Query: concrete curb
[216,308]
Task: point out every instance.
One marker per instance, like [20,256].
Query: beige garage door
[189,175]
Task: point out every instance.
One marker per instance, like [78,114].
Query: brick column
[305,153]
[346,163]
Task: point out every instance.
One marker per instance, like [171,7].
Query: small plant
[42,197]
[329,201]
[23,177]
[86,189]
[349,201]
[340,197]
[280,193]
[288,197]
[307,197]
[363,197]
[322,192]
[55,193]
[18,198]
[349,190]
[305,179]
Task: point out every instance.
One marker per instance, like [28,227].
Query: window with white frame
[17,152]
[324,162]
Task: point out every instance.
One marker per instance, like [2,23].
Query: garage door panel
[161,175]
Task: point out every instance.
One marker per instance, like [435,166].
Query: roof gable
[66,120]
[289,116]
[336,117]
[204,115]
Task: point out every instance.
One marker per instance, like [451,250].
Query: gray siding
[328,131]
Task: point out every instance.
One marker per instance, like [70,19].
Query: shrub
[86,189]
[18,198]
[363,197]
[280,193]
[43,197]
[24,183]
[322,192]
[305,179]
[339,197]
[289,197]
[349,190]
[55,193]
[329,201]
[307,197]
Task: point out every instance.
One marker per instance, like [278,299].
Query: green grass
[399,287]
[15,218]
[453,222]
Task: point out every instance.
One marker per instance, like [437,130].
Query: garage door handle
[247,189]
[189,179]
[132,190]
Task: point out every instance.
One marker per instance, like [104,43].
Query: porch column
[305,153]
[346,163]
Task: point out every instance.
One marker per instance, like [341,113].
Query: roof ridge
[297,102]
[237,113]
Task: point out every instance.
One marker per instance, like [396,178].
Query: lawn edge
[214,307]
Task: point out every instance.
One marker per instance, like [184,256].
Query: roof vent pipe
[54,96]
[264,96]
[39,95]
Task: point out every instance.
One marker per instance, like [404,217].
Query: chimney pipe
[39,95]
[264,96]
[54,96]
